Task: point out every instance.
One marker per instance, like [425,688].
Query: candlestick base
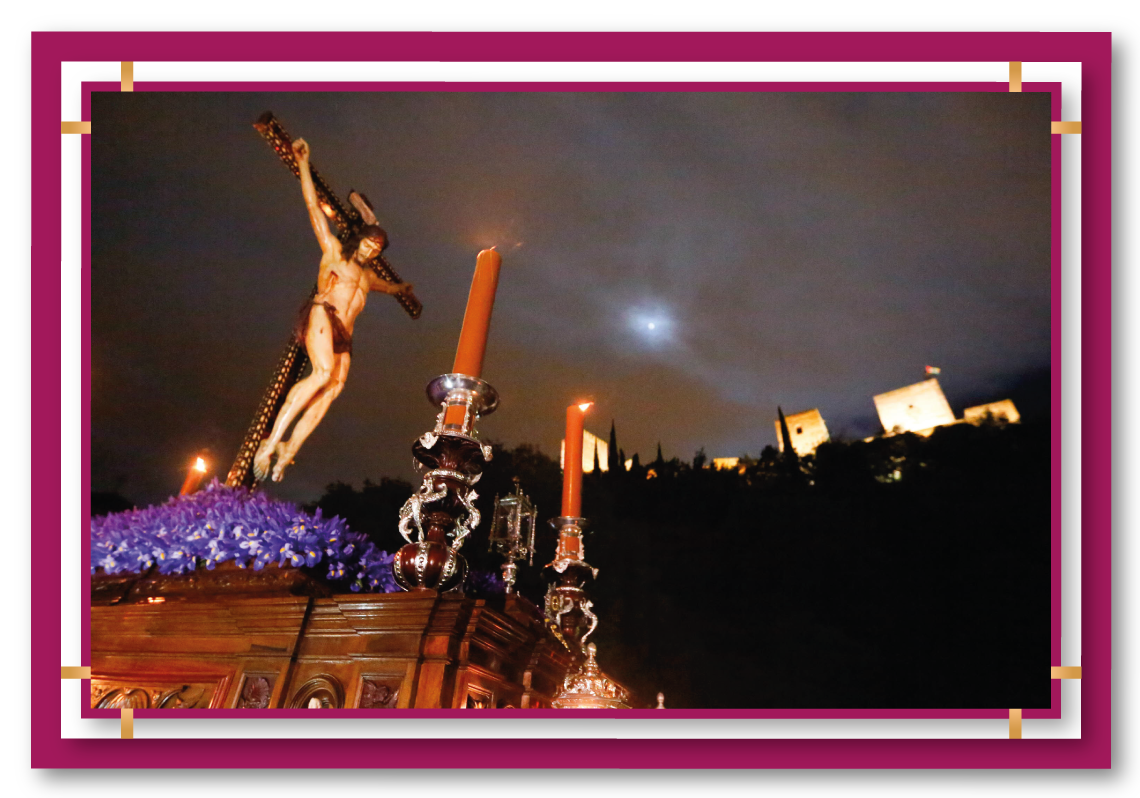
[589,688]
[568,605]
[428,565]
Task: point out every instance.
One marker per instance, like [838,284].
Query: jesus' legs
[313,414]
[319,346]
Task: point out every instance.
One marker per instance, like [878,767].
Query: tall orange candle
[477,318]
[572,460]
[193,477]
[476,323]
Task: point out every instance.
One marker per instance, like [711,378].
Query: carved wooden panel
[379,692]
[189,696]
[151,694]
[125,698]
[256,691]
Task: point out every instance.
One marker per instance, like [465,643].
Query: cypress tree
[615,464]
[790,453]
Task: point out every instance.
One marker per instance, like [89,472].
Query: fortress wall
[1003,408]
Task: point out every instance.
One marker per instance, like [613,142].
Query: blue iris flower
[220,523]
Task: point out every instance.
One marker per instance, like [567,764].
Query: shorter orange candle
[476,323]
[572,460]
[193,477]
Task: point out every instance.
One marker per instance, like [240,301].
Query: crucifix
[352,265]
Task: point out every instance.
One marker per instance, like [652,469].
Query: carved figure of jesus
[325,327]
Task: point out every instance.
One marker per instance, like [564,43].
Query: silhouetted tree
[373,510]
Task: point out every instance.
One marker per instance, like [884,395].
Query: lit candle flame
[200,465]
[585,406]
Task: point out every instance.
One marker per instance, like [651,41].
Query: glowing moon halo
[651,324]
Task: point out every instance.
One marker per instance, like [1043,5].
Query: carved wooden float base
[234,638]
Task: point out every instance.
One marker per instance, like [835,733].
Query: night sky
[794,249]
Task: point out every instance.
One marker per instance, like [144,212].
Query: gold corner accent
[1015,76]
[1065,672]
[127,724]
[1066,127]
[74,672]
[128,75]
[74,127]
[1015,724]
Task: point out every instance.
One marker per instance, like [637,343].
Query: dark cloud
[803,249]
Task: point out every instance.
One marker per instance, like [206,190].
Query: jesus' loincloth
[342,341]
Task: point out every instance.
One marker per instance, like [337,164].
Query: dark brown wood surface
[276,638]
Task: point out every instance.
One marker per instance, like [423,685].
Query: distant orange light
[200,466]
[155,600]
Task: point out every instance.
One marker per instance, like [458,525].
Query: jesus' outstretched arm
[329,244]
[378,283]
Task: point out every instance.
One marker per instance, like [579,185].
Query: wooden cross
[293,361]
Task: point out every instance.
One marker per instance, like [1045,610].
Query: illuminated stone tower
[591,443]
[807,431]
[915,408]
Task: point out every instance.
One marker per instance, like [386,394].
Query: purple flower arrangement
[220,523]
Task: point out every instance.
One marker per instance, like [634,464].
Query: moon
[651,325]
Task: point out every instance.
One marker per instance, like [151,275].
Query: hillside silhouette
[899,572]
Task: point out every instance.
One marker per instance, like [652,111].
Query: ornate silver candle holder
[512,532]
[568,605]
[441,514]
[589,688]
[476,397]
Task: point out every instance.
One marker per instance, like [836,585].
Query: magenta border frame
[1054,89]
[1093,50]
